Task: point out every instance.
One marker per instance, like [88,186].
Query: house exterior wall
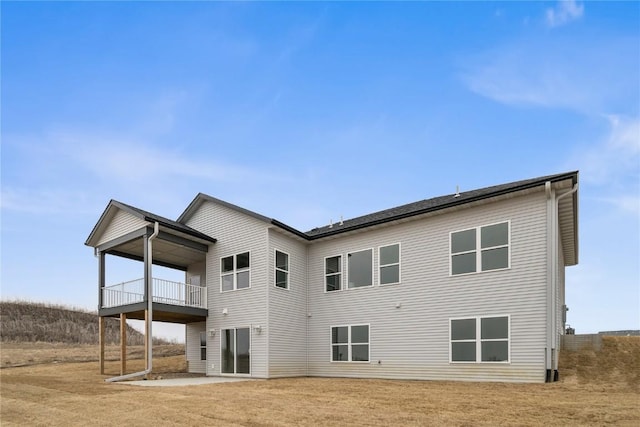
[287,327]
[197,269]
[559,303]
[192,347]
[412,341]
[121,224]
[235,233]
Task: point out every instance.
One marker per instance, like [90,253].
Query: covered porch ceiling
[169,249]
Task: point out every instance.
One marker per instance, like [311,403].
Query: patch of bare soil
[75,394]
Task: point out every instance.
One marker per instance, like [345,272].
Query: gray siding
[192,336]
[192,345]
[412,341]
[236,233]
[287,326]
[121,224]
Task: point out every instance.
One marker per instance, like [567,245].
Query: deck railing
[164,291]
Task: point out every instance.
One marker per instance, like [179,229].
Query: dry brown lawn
[13,354]
[74,394]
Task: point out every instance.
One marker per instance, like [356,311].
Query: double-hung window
[480,339]
[360,269]
[235,272]
[350,343]
[389,260]
[333,273]
[480,249]
[282,270]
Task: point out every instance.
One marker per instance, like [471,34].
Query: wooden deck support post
[123,343]
[101,280]
[101,343]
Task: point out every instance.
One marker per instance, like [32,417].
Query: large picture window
[350,343]
[235,272]
[282,270]
[360,269]
[333,273]
[389,260]
[480,249]
[480,339]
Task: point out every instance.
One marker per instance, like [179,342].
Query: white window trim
[373,270]
[478,340]
[235,272]
[479,250]
[235,355]
[399,264]
[202,346]
[349,343]
[276,269]
[342,272]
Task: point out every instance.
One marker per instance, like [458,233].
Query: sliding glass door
[235,351]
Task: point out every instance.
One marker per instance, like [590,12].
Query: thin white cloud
[611,167]
[616,159]
[587,76]
[565,12]
[127,159]
[48,201]
[76,171]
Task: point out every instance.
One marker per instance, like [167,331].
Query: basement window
[479,339]
[203,346]
[350,343]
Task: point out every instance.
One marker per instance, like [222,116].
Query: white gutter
[156,231]
[552,276]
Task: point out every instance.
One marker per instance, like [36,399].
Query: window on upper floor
[235,272]
[478,249]
[480,339]
[360,269]
[389,264]
[350,343]
[282,270]
[333,273]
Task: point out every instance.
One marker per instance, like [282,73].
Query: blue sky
[308,111]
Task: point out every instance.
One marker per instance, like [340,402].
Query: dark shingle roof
[150,217]
[376,218]
[434,204]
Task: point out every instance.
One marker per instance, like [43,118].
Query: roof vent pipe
[457,191]
[156,231]
[331,223]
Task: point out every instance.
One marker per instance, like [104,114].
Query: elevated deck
[173,302]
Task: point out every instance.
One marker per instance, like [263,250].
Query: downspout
[553,368]
[550,278]
[156,231]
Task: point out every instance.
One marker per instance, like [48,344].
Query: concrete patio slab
[182,382]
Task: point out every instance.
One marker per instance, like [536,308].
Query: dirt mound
[25,321]
[618,362]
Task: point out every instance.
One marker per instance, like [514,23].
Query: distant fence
[579,342]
